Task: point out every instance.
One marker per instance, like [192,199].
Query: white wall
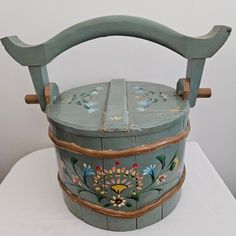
[23,128]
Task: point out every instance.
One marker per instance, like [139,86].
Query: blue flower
[149,170]
[87,171]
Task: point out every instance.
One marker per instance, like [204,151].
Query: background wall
[23,128]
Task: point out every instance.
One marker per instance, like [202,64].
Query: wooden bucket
[119,144]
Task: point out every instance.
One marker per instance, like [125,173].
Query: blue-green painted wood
[54,92]
[116,108]
[160,162]
[79,177]
[189,47]
[94,218]
[40,79]
[120,182]
[146,191]
[75,209]
[86,214]
[171,204]
[119,115]
[149,218]
[151,190]
[194,73]
[118,224]
[124,184]
[83,110]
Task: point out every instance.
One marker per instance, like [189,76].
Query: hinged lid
[127,108]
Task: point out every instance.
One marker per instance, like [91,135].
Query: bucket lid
[117,108]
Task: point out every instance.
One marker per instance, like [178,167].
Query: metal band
[109,154]
[124,214]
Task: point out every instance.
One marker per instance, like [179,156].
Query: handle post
[195,49]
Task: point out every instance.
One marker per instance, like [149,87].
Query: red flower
[117,163]
[135,165]
[98,167]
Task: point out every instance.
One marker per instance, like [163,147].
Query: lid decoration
[86,99]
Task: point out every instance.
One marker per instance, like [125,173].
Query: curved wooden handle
[189,47]
[195,49]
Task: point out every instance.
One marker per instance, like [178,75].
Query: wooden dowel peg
[204,93]
[31,99]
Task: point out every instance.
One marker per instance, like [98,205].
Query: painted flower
[161,178]
[75,179]
[87,171]
[117,179]
[90,104]
[135,165]
[91,110]
[118,201]
[164,96]
[139,90]
[143,103]
[149,170]
[94,92]
[98,168]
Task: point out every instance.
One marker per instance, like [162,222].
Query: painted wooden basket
[119,144]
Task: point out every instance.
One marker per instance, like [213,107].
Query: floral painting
[145,98]
[118,179]
[87,99]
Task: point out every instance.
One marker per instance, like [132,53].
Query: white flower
[118,201]
[161,178]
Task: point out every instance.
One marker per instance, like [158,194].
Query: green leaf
[157,189]
[85,180]
[135,196]
[172,166]
[100,198]
[107,205]
[174,157]
[73,161]
[128,204]
[80,190]
[172,163]
[162,159]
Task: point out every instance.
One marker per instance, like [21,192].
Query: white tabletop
[31,202]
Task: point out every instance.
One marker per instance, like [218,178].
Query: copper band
[109,154]
[124,214]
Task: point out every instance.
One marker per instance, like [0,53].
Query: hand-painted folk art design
[145,98]
[118,179]
[119,144]
[86,99]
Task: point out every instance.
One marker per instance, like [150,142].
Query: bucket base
[119,224]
